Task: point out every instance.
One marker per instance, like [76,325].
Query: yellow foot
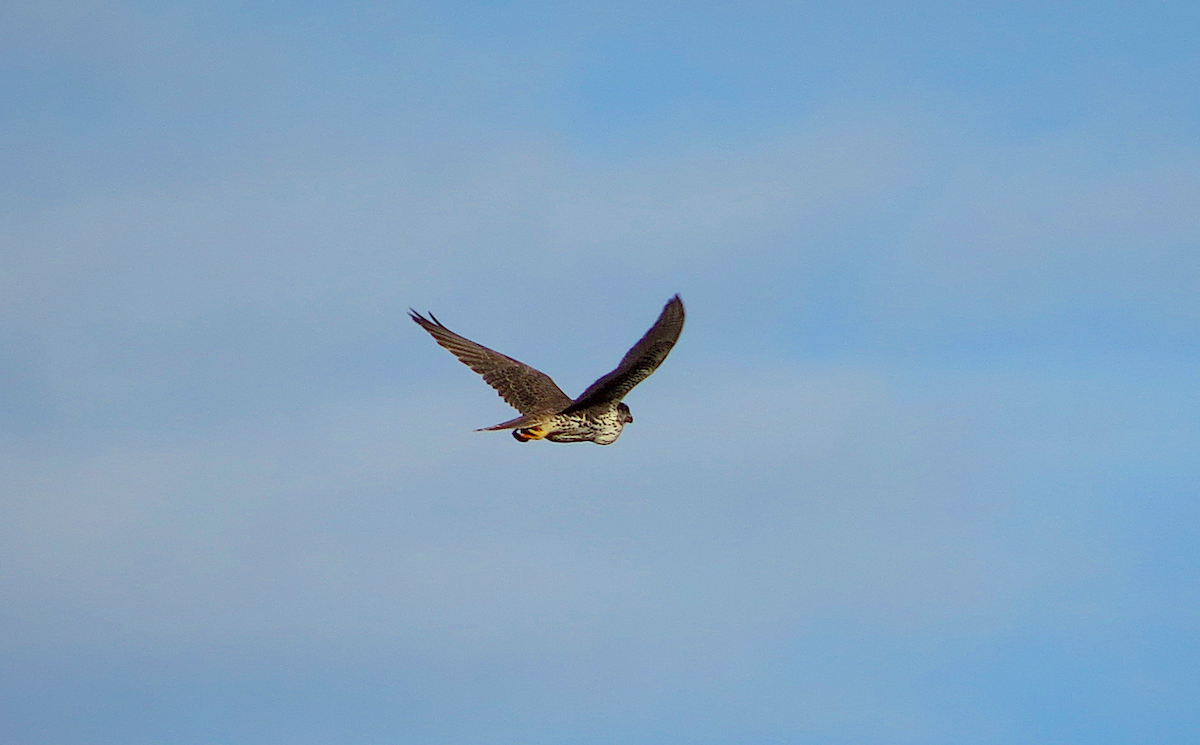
[531,433]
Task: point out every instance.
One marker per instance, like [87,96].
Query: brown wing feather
[643,359]
[525,389]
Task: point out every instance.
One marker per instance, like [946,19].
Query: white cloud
[1065,226]
[811,497]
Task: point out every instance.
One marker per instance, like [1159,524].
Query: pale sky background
[922,470]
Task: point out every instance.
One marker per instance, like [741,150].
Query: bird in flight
[598,415]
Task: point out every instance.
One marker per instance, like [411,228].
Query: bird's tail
[520,422]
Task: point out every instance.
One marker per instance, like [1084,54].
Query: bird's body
[601,425]
[598,415]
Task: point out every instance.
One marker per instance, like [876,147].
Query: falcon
[598,415]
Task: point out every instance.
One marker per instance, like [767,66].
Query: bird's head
[626,417]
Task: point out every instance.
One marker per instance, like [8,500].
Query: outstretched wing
[522,387]
[643,359]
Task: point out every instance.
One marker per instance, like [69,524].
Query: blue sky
[921,470]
